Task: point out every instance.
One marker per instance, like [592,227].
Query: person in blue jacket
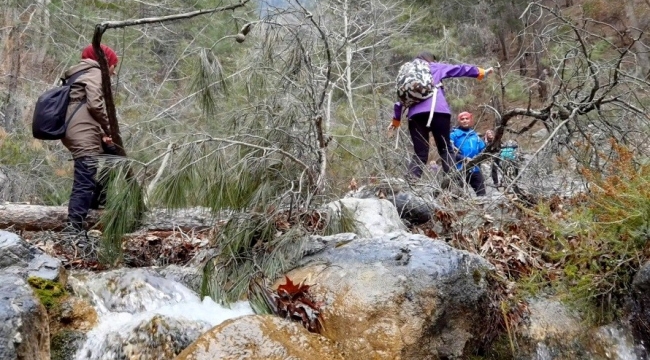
[468,144]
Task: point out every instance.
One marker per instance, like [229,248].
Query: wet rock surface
[159,337]
[24,330]
[554,331]
[65,343]
[398,296]
[639,306]
[19,257]
[261,337]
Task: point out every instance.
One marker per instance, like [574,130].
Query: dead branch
[103,64]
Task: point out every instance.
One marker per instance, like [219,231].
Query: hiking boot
[73,230]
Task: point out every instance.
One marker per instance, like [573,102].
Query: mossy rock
[65,343]
[50,293]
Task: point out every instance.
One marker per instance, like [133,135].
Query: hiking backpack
[49,121]
[414,82]
[509,151]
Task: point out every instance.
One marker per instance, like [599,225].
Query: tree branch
[120,24]
[103,64]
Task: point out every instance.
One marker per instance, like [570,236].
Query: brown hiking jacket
[83,136]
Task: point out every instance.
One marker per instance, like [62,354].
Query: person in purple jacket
[440,124]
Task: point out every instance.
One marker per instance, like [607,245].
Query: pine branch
[103,64]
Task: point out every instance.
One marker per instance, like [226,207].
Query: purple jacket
[440,71]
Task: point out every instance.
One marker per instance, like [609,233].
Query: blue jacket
[468,144]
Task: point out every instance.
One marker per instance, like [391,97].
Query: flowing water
[142,315]
[145,316]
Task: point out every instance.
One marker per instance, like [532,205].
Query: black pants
[87,192]
[440,128]
[476,181]
[494,171]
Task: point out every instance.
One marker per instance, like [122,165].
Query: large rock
[553,331]
[415,203]
[24,331]
[639,305]
[372,217]
[398,296]
[262,337]
[19,257]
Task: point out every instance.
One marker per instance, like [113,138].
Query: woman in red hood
[87,134]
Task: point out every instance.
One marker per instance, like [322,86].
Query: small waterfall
[144,316]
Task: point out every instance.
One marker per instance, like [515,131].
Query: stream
[143,315]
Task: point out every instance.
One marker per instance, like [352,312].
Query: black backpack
[49,121]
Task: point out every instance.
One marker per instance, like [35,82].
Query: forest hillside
[266,110]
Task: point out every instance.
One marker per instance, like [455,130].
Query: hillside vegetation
[268,114]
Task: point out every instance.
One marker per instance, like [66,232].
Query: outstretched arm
[462,70]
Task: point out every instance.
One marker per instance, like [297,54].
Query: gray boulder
[414,203]
[397,296]
[372,217]
[19,257]
[552,330]
[639,305]
[24,329]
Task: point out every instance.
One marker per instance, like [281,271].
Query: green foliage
[124,210]
[603,238]
[208,80]
[250,245]
[340,220]
[50,293]
[516,89]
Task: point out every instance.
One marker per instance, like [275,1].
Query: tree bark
[53,218]
[643,62]
[12,57]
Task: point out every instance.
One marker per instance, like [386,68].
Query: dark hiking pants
[476,181]
[87,192]
[440,128]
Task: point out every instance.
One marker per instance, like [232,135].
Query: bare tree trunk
[501,35]
[45,30]
[643,64]
[12,44]
[348,62]
[54,218]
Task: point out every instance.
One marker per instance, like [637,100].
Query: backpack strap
[68,82]
[433,102]
[72,78]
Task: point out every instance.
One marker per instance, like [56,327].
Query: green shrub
[603,239]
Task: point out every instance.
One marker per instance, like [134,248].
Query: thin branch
[120,24]
[103,64]
[548,140]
